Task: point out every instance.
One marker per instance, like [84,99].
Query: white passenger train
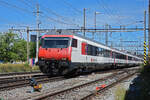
[65,53]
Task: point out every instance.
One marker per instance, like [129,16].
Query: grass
[120,93]
[6,68]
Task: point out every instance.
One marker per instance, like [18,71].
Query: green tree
[6,44]
[12,48]
[20,50]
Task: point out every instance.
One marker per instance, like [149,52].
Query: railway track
[9,83]
[92,95]
[17,76]
[20,81]
[18,73]
[12,84]
[57,95]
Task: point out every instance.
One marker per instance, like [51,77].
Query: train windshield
[55,42]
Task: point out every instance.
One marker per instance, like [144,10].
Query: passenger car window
[74,43]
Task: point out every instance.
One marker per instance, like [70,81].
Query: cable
[50,18]
[70,5]
[27,4]
[104,8]
[14,6]
[54,13]
[116,12]
[54,20]
[108,11]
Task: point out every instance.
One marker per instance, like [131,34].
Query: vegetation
[14,49]
[145,70]
[120,93]
[140,87]
[17,68]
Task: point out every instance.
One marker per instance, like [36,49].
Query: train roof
[70,32]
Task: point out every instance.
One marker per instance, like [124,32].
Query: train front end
[55,54]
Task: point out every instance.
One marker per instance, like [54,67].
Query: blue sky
[113,12]
[54,13]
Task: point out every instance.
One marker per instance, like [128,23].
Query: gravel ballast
[20,93]
[110,94]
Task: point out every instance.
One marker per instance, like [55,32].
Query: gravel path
[110,94]
[80,93]
[19,93]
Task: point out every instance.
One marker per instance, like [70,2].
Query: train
[67,53]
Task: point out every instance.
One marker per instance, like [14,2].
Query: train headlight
[42,58]
[64,58]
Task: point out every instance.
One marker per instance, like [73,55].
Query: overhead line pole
[28,47]
[144,25]
[106,35]
[94,25]
[38,32]
[84,21]
[145,45]
[95,13]
[149,32]
[95,20]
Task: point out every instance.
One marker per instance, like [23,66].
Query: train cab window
[41,41]
[74,43]
[55,42]
[129,58]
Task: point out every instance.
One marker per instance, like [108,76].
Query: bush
[4,68]
[145,70]
[120,93]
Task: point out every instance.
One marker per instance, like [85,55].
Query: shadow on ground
[140,87]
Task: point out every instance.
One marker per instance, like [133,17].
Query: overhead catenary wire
[50,18]
[6,4]
[110,10]
[54,13]
[76,10]
[27,4]
[18,9]
[55,20]
[63,19]
[115,12]
[107,11]
[71,6]
[14,6]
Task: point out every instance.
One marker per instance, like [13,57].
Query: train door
[127,59]
[84,51]
[114,58]
[75,50]
[84,48]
